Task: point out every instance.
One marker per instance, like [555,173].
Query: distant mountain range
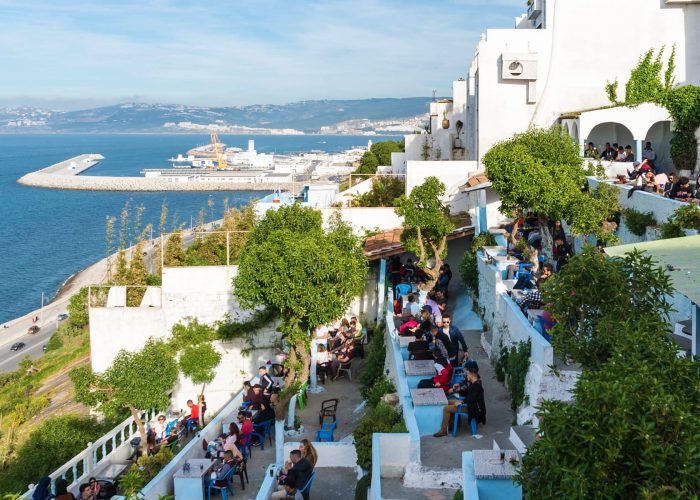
[303,116]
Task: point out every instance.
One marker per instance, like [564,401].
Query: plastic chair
[246,404]
[222,489]
[461,412]
[307,487]
[264,429]
[328,409]
[301,396]
[241,470]
[523,270]
[545,325]
[246,450]
[347,368]
[326,432]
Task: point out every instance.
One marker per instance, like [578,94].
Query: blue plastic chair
[263,429]
[307,487]
[246,404]
[461,412]
[326,432]
[544,324]
[222,489]
[523,270]
[246,450]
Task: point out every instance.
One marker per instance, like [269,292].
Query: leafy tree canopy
[631,431]
[593,294]
[382,151]
[385,189]
[541,171]
[426,224]
[77,309]
[308,276]
[198,362]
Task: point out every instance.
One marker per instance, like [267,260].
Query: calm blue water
[50,234]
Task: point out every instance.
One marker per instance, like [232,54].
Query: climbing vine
[511,367]
[649,82]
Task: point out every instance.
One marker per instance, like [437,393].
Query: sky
[72,54]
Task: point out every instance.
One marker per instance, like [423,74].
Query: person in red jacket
[443,368]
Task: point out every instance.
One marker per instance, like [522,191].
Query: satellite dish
[515,68]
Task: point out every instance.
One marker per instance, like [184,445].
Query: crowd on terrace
[647,175]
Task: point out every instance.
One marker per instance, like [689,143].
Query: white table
[112,471]
[190,484]
[419,367]
[404,341]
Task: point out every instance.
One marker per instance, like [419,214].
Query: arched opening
[610,132]
[574,132]
[659,134]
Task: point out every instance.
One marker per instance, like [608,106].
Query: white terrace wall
[509,326]
[366,218]
[452,174]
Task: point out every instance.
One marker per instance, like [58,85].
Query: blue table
[428,405]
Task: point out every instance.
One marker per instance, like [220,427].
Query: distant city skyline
[77,54]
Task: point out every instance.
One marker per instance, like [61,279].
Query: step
[394,489]
[502,442]
[522,436]
[417,476]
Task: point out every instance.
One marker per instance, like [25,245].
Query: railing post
[90,459]
[380,289]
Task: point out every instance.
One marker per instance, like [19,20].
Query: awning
[476,182]
[679,257]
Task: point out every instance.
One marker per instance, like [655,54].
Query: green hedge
[382,418]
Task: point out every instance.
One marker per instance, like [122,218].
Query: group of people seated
[337,344]
[645,178]
[616,152]
[295,474]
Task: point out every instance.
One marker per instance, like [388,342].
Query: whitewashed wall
[452,173]
[366,218]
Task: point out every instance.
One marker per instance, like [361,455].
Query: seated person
[343,357]
[223,469]
[296,473]
[246,426]
[443,371]
[473,394]
[681,190]
[292,493]
[432,307]
[409,328]
[411,309]
[321,334]
[323,363]
[247,391]
[403,288]
[441,300]
[234,434]
[668,185]
[647,182]
[91,490]
[257,399]
[355,328]
[159,428]
[531,300]
[409,270]
[170,440]
[215,447]
[193,417]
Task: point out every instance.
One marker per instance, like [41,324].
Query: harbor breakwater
[64,175]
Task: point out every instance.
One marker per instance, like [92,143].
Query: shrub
[373,369]
[50,445]
[374,393]
[671,229]
[688,216]
[637,222]
[78,310]
[511,367]
[468,267]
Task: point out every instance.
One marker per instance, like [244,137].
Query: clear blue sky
[79,53]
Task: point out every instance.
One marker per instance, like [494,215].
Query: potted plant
[445,121]
[458,141]
[688,217]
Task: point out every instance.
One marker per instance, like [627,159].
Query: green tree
[308,276]
[173,255]
[632,429]
[593,294]
[368,164]
[540,171]
[426,225]
[382,151]
[49,445]
[77,309]
[385,189]
[136,380]
[468,266]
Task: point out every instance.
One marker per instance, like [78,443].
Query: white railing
[96,455]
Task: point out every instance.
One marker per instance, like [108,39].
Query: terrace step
[522,436]
[420,477]
[394,489]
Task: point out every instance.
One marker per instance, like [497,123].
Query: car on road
[62,317]
[17,346]
[33,329]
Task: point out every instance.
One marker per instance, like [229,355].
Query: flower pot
[445,123]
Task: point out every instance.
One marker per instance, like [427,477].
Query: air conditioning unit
[534,9]
[519,66]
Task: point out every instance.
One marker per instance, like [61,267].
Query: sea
[48,235]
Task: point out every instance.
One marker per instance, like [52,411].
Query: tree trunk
[547,242]
[281,408]
[199,403]
[142,430]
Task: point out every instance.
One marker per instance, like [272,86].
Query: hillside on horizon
[302,116]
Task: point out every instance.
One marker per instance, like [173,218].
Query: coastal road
[16,331]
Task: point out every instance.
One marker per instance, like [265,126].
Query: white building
[559,56]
